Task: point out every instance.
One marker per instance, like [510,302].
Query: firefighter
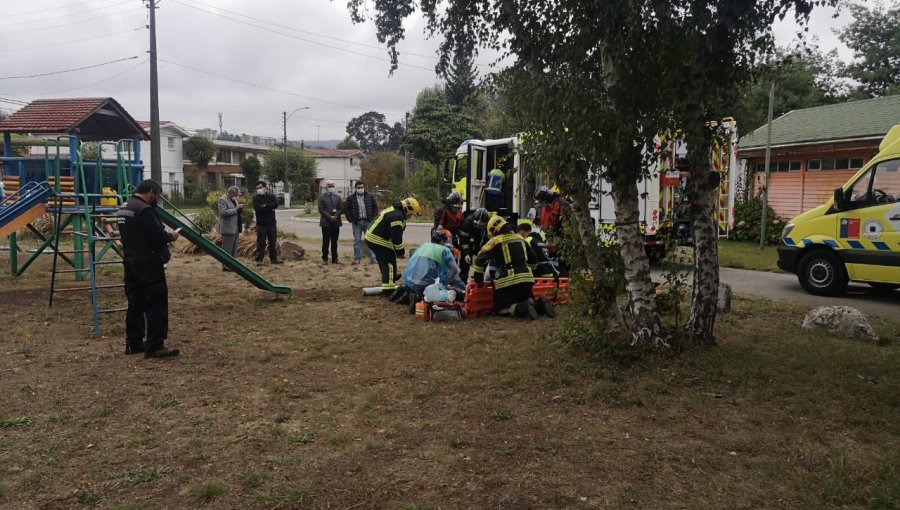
[493,190]
[449,216]
[385,239]
[472,237]
[553,212]
[546,268]
[431,262]
[512,258]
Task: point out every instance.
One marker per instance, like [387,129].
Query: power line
[63,43]
[67,70]
[44,19]
[292,36]
[264,87]
[43,11]
[120,73]
[12,101]
[286,27]
[70,23]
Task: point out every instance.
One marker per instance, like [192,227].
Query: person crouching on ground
[513,259]
[431,262]
[145,247]
[385,239]
[230,221]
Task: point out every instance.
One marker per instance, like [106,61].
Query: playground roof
[93,118]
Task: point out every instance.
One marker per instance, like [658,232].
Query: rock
[724,302]
[840,321]
[292,251]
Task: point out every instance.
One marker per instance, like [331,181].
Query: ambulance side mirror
[840,201]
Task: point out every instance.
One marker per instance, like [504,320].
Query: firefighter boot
[413,299]
[526,309]
[545,307]
[400,295]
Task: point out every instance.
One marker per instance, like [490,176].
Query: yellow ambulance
[855,235]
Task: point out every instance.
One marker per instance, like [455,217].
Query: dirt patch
[333,400]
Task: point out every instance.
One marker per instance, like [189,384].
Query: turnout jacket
[471,236]
[512,258]
[446,217]
[387,230]
[538,243]
[144,239]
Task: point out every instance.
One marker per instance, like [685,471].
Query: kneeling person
[430,263]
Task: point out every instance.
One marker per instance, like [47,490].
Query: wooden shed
[815,150]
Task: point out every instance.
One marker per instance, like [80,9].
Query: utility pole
[318,138]
[155,151]
[765,207]
[406,151]
[286,116]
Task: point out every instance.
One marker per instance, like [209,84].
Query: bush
[747,218]
[206,220]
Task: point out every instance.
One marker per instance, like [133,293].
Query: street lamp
[287,115]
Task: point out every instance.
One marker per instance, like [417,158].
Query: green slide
[209,247]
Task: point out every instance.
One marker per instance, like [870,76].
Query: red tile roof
[70,116]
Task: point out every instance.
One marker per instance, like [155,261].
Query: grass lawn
[333,400]
[744,255]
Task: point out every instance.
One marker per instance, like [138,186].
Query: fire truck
[663,194]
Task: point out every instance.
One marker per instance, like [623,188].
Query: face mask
[330,191]
[261,191]
[360,191]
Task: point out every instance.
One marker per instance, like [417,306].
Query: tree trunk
[646,328]
[706,249]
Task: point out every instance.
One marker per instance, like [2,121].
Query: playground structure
[82,196]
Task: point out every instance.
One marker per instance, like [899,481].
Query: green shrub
[747,219]
[206,220]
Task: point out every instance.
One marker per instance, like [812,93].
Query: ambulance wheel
[822,273]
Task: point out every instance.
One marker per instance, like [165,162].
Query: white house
[171,155]
[338,165]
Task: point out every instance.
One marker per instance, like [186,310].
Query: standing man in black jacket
[145,245]
[330,211]
[264,205]
[361,210]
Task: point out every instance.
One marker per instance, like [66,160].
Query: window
[813,165]
[794,166]
[835,164]
[171,177]
[171,142]
[841,163]
[856,163]
[827,164]
[760,167]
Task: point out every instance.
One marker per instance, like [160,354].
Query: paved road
[775,286]
[785,287]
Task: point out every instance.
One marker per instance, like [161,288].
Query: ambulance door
[477,174]
[871,226]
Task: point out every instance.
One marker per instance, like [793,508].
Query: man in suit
[230,221]
[330,210]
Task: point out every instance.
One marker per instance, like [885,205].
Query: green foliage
[206,220]
[251,168]
[435,129]
[381,169]
[348,143]
[747,221]
[298,175]
[424,184]
[200,150]
[460,79]
[804,77]
[874,37]
[206,492]
[371,132]
[247,217]
[90,151]
[16,421]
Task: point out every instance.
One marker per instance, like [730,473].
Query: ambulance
[855,235]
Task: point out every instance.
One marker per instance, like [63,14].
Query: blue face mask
[330,191]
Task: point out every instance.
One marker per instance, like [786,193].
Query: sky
[249,61]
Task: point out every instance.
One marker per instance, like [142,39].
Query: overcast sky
[249,60]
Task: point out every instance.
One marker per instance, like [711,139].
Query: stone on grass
[292,251]
[842,321]
[724,302]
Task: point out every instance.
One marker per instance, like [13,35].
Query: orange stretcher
[479,299]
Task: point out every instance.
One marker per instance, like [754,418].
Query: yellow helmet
[525,223]
[555,190]
[410,206]
[495,224]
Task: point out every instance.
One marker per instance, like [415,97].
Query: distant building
[225,168]
[816,150]
[171,155]
[338,165]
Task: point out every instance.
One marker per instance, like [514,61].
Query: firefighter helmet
[454,200]
[410,206]
[525,224]
[543,194]
[495,224]
[481,216]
